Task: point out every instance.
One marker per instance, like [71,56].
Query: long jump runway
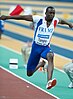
[12,87]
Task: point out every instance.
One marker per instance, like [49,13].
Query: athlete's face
[50,13]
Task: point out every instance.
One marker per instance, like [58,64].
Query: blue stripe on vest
[38,24]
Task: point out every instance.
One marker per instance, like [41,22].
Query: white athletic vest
[43,34]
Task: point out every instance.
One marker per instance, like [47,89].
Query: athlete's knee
[50,56]
[29,73]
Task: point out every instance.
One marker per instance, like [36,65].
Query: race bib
[42,39]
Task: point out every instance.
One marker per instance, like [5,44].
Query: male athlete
[43,30]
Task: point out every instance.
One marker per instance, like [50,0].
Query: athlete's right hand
[3,17]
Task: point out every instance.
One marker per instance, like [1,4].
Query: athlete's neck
[48,23]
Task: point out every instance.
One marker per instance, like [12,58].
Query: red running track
[12,87]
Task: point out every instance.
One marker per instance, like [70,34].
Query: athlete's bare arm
[65,22]
[18,17]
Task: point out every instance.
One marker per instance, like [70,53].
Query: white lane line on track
[28,82]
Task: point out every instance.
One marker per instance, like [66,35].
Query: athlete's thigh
[44,53]
[33,60]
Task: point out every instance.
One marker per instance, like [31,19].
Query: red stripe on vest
[55,23]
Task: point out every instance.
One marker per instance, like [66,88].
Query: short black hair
[50,8]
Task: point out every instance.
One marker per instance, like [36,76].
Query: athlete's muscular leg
[41,64]
[50,67]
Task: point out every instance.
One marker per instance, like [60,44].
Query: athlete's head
[50,13]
